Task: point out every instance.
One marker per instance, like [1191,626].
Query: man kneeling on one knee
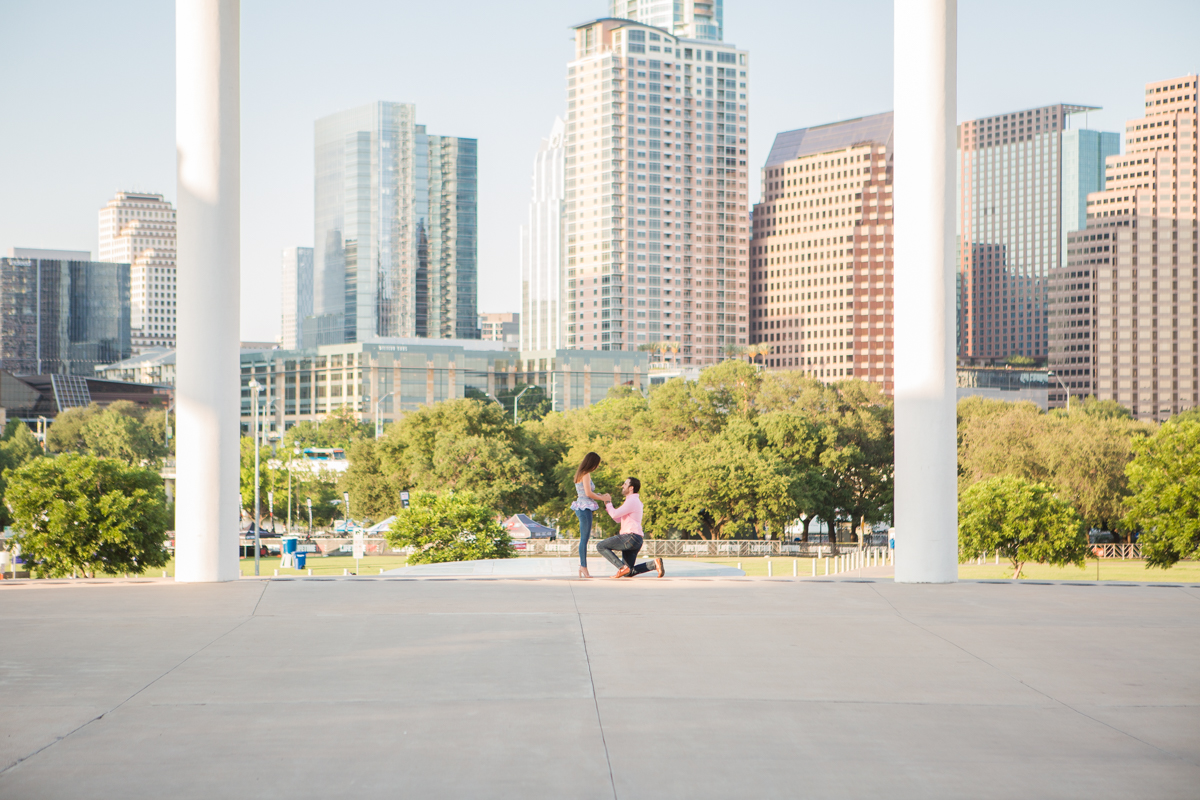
[629,541]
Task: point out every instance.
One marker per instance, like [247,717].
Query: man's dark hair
[635,484]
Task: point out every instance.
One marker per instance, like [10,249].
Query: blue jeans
[585,530]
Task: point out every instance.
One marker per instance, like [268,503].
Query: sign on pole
[360,546]
[404,499]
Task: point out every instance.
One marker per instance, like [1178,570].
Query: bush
[78,513]
[453,526]
[1023,520]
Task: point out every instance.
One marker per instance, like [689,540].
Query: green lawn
[330,565]
[1110,570]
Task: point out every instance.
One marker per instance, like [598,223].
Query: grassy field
[1110,569]
[330,565]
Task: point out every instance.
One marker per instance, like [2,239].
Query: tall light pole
[378,422]
[255,387]
[516,418]
[926,483]
[1054,375]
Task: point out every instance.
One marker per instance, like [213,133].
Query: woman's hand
[606,498]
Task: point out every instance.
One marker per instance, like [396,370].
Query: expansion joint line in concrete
[102,715]
[592,682]
[1010,676]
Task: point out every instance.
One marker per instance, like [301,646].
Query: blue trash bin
[289,544]
[300,559]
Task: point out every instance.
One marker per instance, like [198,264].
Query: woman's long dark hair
[588,465]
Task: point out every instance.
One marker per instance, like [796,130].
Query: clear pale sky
[87,92]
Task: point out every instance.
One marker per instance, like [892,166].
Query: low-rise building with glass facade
[61,316]
[400,375]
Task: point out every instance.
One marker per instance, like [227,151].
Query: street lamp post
[1056,377]
[310,517]
[378,422]
[255,387]
[517,419]
[295,452]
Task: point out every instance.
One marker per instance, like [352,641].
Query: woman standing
[586,502]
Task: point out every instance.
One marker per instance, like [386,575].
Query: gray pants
[628,544]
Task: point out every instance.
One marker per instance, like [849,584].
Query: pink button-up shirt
[629,515]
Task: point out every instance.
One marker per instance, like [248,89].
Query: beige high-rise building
[139,229]
[1130,278]
[821,270]
[655,213]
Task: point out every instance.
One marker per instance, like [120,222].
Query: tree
[1023,520]
[87,514]
[339,428]
[1082,454]
[453,526]
[1164,477]
[17,446]
[372,494]
[468,445]
[122,430]
[65,434]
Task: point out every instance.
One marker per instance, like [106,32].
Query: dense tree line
[741,452]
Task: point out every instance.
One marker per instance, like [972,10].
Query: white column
[924,188]
[207,131]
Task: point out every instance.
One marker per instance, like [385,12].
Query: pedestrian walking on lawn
[629,541]
[586,503]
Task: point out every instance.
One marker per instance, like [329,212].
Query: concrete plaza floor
[646,688]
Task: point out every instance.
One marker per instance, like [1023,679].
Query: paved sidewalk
[688,688]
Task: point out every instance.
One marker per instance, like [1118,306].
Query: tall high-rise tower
[1022,178]
[396,229]
[703,20]
[1125,305]
[139,229]
[541,248]
[656,223]
[297,297]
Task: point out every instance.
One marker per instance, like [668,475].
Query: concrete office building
[656,229]
[501,327]
[703,20]
[62,314]
[541,247]
[402,375]
[1125,316]
[396,251]
[1023,183]
[138,229]
[297,305]
[821,269]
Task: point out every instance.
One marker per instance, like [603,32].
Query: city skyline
[63,178]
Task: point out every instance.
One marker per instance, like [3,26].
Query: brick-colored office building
[821,255]
[1125,308]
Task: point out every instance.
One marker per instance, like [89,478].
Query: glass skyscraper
[62,317]
[396,221]
[297,293]
[702,20]
[1022,178]
[541,247]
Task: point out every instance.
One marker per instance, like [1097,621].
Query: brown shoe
[659,566]
[622,572]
